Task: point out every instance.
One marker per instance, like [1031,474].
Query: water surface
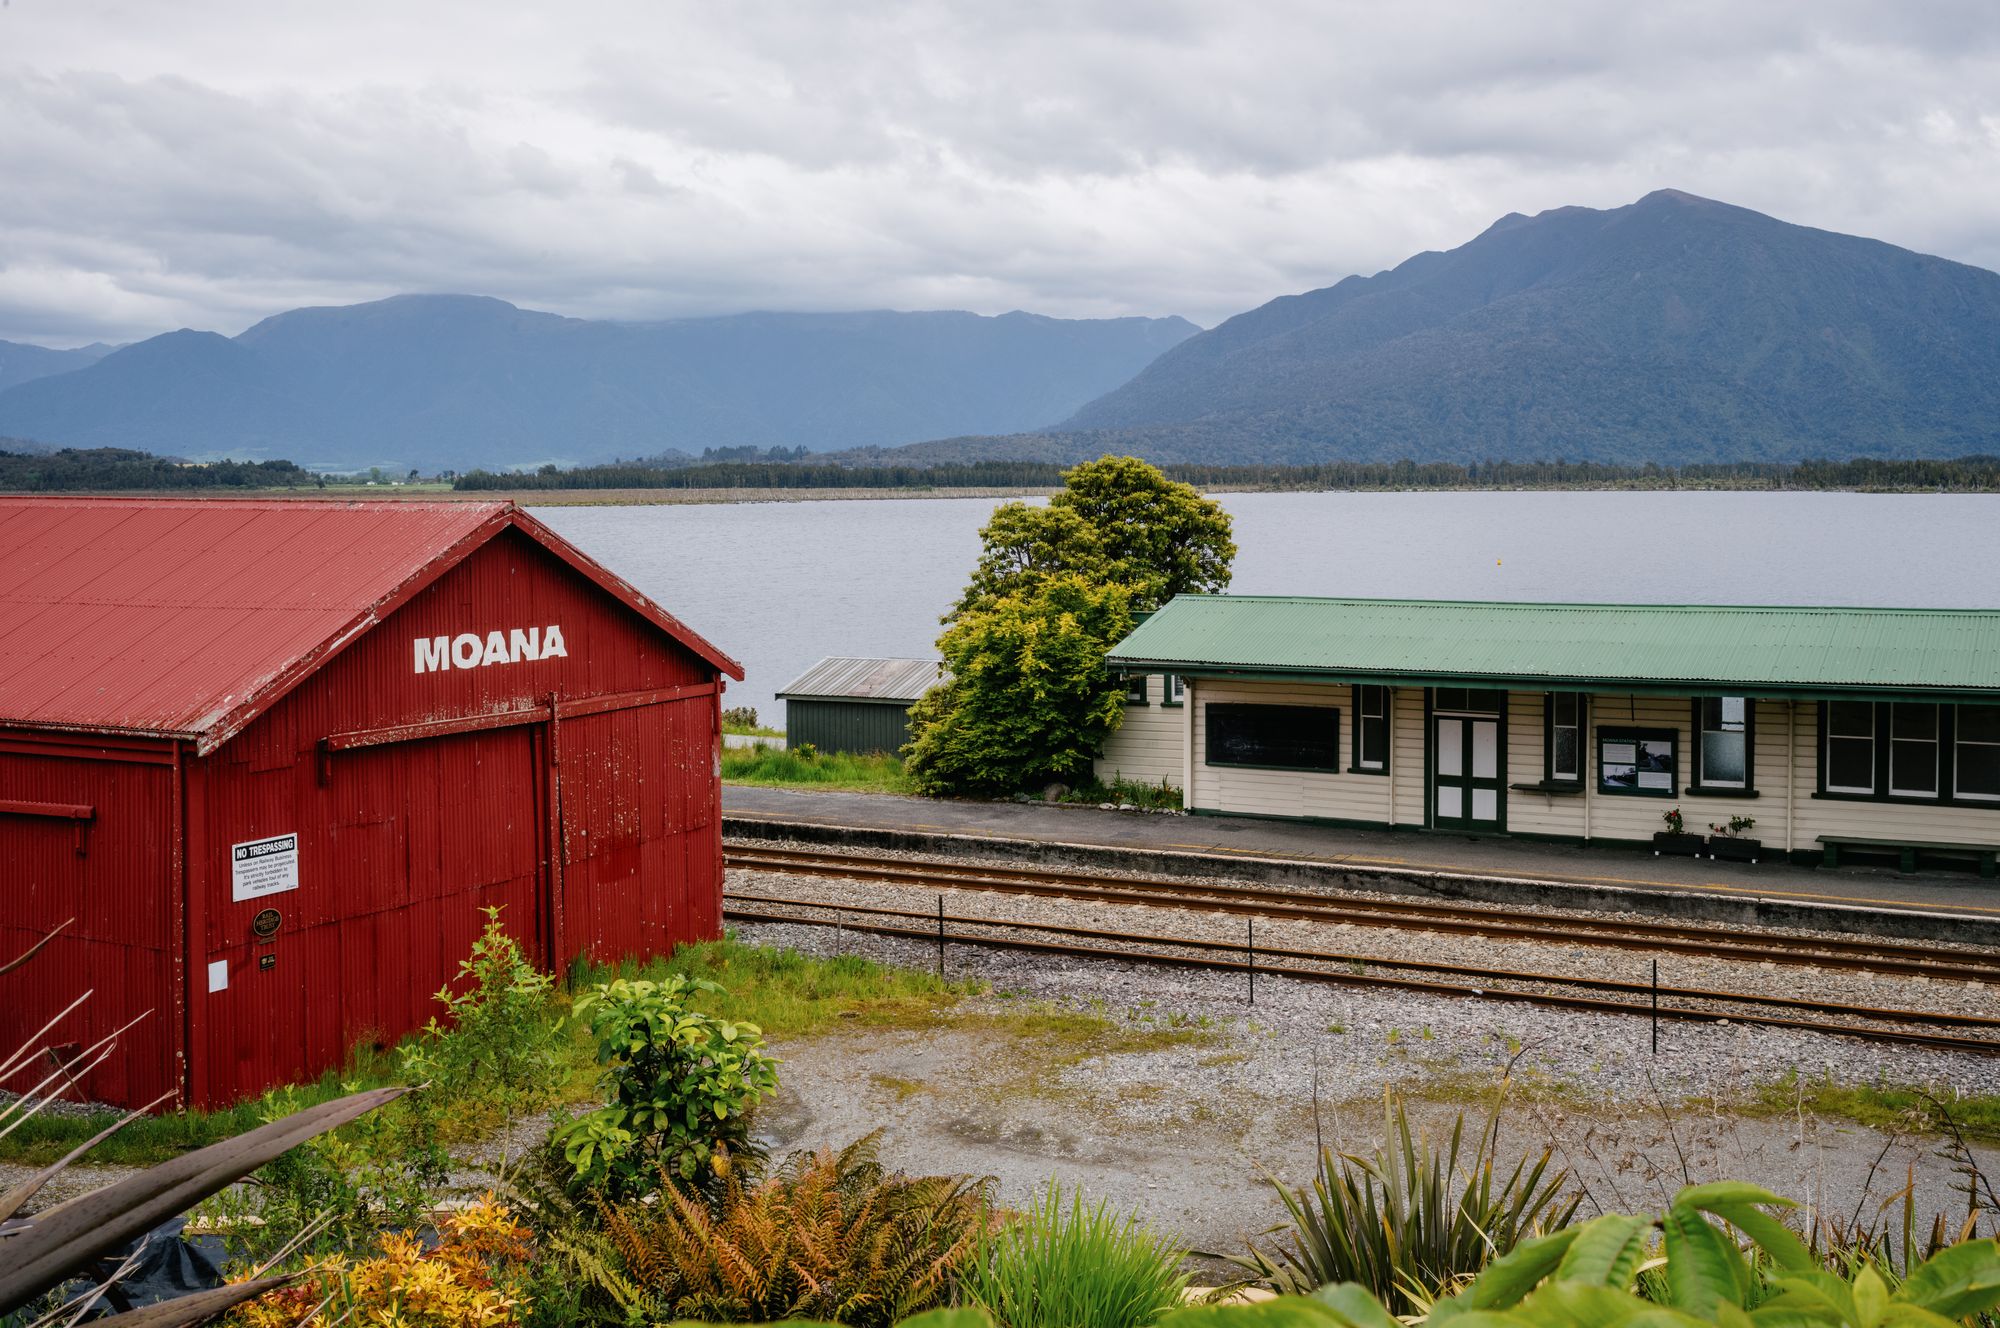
[778,585]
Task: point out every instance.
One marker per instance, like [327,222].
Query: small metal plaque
[265,925]
[265,963]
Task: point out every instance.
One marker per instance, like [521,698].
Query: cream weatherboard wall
[1319,795]
[1150,747]
[1788,813]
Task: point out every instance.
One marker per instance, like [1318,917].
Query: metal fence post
[1656,1007]
[940,935]
[1250,949]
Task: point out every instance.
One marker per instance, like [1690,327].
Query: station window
[1638,762]
[1135,689]
[1562,738]
[1371,730]
[1473,700]
[1847,751]
[1725,738]
[1275,737]
[1173,691]
[1913,750]
[1976,753]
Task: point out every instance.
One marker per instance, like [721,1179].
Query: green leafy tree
[1028,698]
[1117,521]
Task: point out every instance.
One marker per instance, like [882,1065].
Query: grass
[783,992]
[1883,1107]
[788,994]
[1127,792]
[752,730]
[779,767]
[1067,1264]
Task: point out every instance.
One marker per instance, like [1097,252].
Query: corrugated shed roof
[842,678]
[185,616]
[1640,644]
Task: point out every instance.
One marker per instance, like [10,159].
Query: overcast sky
[204,163]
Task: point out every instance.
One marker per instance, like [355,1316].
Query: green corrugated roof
[1642,645]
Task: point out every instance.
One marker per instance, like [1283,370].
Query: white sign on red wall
[259,867]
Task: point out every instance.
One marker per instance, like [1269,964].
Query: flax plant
[1415,1220]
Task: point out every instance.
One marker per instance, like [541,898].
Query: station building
[266,764]
[1838,731]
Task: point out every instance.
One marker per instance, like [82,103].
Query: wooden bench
[1988,854]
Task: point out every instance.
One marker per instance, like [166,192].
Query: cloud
[213,162]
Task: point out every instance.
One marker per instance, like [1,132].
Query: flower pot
[1724,848]
[1676,846]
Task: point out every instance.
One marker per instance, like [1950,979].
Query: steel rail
[1875,956]
[1416,965]
[1219,956]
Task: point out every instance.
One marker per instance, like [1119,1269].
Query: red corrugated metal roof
[185,617]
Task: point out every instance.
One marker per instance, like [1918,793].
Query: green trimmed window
[1725,736]
[1173,693]
[1976,753]
[1274,737]
[1562,738]
[1371,730]
[1135,689]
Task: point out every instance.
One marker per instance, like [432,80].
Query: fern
[830,1236]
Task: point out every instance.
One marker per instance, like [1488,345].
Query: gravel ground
[1182,1131]
[1391,944]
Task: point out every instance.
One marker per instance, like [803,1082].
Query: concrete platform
[1929,905]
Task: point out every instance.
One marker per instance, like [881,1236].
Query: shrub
[739,717]
[681,1085]
[501,1050]
[830,1236]
[1065,1265]
[1414,1220]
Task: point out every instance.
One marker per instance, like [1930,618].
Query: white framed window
[1848,762]
[1976,753]
[1913,750]
[1371,728]
[1174,693]
[1723,736]
[1135,689]
[1565,737]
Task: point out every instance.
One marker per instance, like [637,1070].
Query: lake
[780,584]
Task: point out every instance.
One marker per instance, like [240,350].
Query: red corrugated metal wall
[120,892]
[402,844]
[641,838]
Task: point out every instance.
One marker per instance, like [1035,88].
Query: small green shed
[856,705]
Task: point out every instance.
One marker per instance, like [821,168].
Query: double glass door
[1466,772]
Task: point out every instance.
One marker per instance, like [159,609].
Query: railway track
[1954,1032]
[1896,958]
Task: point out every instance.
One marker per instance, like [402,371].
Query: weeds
[780,767]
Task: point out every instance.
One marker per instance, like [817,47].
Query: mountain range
[1675,329]
[453,382]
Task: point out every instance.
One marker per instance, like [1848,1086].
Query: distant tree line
[1965,474]
[101,469]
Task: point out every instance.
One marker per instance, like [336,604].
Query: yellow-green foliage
[831,1236]
[474,1278]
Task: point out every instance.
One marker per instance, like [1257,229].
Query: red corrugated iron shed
[432,708]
